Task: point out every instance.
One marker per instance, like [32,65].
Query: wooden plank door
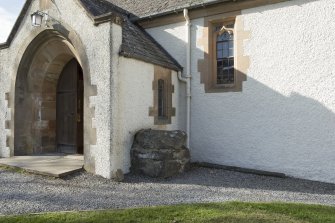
[69,109]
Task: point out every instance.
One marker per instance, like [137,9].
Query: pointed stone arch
[32,97]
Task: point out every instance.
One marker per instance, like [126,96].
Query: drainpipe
[187,78]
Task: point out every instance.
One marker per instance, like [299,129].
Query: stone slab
[54,165]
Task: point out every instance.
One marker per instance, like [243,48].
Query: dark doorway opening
[69,109]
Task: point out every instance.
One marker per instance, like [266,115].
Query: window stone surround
[161,73]
[206,66]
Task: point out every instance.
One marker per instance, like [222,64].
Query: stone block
[45,141]
[92,90]
[118,175]
[93,136]
[49,149]
[49,104]
[52,124]
[8,141]
[48,114]
[157,139]
[7,124]
[158,153]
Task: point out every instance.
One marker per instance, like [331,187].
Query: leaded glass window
[161,99]
[225,56]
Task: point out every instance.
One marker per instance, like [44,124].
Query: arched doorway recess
[48,115]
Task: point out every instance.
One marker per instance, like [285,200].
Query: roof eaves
[107,17]
[177,10]
[156,62]
[177,67]
[129,50]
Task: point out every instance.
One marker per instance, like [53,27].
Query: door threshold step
[48,165]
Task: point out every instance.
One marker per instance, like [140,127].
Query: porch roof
[136,42]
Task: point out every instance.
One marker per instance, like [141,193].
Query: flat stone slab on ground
[51,165]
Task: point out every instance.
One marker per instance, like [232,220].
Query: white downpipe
[181,78]
[188,76]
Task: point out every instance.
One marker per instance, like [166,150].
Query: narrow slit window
[225,58]
[161,99]
[163,90]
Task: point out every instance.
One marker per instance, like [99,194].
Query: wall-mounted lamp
[38,17]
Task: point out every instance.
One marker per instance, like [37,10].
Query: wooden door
[70,109]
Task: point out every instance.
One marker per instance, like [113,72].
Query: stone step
[49,165]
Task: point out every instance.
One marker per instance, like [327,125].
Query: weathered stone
[7,96]
[7,124]
[153,139]
[8,139]
[159,153]
[118,175]
[150,167]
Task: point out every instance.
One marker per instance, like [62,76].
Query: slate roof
[152,8]
[136,42]
[101,7]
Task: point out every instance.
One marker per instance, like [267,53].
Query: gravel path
[24,193]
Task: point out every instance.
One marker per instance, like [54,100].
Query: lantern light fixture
[37,18]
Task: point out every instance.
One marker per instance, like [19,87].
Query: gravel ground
[25,193]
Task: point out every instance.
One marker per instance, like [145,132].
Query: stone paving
[55,165]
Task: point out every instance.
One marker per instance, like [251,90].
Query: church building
[251,82]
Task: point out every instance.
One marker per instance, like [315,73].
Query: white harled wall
[284,119]
[135,99]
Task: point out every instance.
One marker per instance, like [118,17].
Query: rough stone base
[159,153]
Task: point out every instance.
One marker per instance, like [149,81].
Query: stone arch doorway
[47,66]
